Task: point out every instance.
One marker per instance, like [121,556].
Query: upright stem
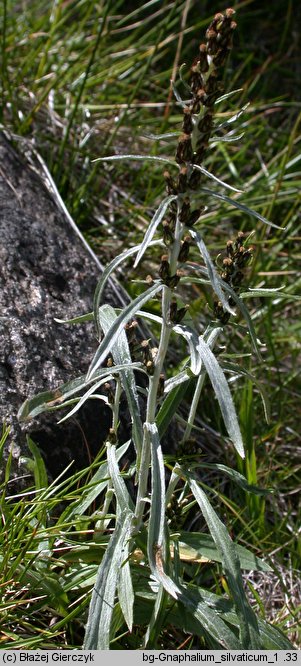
[154,379]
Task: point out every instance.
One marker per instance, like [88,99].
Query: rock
[46,272]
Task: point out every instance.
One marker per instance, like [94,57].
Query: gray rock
[46,272]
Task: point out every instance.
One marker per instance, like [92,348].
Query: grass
[84,81]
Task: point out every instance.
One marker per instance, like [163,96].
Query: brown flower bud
[184,150]
[230,249]
[182,179]
[185,211]
[173,280]
[164,270]
[194,217]
[203,61]
[184,249]
[170,183]
[168,236]
[187,121]
[229,12]
[112,436]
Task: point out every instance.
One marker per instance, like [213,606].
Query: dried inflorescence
[205,88]
[237,259]
[197,124]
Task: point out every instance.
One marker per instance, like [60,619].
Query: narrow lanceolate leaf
[237,299]
[48,400]
[124,501]
[157,512]
[249,632]
[88,394]
[240,206]
[150,158]
[216,282]
[246,315]
[170,405]
[196,546]
[103,280]
[233,118]
[96,486]
[121,355]
[116,328]
[227,138]
[125,588]
[153,225]
[222,393]
[192,339]
[217,180]
[241,372]
[222,98]
[97,636]
[207,619]
[269,293]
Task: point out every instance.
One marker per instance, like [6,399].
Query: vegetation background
[81,80]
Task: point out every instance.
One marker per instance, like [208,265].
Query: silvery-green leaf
[86,397]
[49,399]
[116,328]
[245,313]
[227,95]
[216,282]
[166,135]
[121,355]
[192,339]
[151,158]
[157,619]
[125,588]
[96,486]
[170,405]
[238,369]
[213,177]
[238,478]
[124,501]
[178,379]
[194,545]
[222,393]
[117,261]
[249,632]
[240,206]
[152,227]
[157,513]
[269,293]
[80,319]
[97,635]
[227,138]
[233,118]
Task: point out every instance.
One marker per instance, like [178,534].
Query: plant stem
[155,378]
